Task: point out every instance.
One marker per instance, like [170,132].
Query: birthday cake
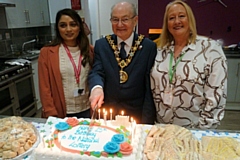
[72,138]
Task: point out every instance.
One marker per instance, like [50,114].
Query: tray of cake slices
[165,142]
[18,138]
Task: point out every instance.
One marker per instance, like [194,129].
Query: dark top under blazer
[135,94]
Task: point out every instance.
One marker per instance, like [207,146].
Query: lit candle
[122,113]
[103,112]
[110,114]
[99,110]
[132,127]
[105,117]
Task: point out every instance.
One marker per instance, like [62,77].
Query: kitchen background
[214,19]
[35,19]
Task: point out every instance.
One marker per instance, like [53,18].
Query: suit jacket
[135,94]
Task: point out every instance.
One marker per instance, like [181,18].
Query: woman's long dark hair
[82,38]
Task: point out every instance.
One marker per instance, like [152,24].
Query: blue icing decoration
[118,138]
[79,145]
[111,147]
[97,152]
[99,130]
[85,122]
[204,134]
[25,157]
[127,134]
[62,126]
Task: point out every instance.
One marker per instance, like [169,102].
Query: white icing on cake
[79,139]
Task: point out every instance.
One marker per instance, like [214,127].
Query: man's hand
[96,97]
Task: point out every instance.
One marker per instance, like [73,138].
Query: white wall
[84,13]
[93,18]
[55,6]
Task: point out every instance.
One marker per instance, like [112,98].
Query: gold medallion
[123,76]
[122,63]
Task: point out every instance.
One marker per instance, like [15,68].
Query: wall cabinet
[44,12]
[233,85]
[7,1]
[27,13]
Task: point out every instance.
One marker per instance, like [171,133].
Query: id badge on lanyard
[78,92]
[168,95]
[77,71]
[168,92]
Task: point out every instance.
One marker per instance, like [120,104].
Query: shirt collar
[128,41]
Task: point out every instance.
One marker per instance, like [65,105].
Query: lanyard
[172,70]
[76,70]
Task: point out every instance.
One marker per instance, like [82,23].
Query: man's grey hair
[133,8]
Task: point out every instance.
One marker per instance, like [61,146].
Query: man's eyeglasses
[124,20]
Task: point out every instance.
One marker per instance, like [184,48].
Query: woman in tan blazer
[63,67]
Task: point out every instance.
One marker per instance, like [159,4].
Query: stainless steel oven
[25,96]
[7,102]
[17,94]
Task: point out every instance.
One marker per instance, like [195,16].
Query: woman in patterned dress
[189,77]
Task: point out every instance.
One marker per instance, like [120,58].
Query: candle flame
[99,110]
[122,113]
[111,110]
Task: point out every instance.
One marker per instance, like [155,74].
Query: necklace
[122,63]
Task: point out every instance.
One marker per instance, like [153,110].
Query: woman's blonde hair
[166,37]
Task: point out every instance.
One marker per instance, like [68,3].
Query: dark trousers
[84,114]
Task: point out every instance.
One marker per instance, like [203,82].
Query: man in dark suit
[120,78]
